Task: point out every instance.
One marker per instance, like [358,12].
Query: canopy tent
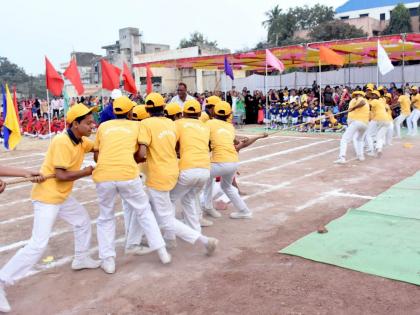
[361,51]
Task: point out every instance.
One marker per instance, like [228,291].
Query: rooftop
[354,5]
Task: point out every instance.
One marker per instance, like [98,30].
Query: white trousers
[133,230]
[226,171]
[133,194]
[389,133]
[355,130]
[397,124]
[165,214]
[412,122]
[45,216]
[190,183]
[370,135]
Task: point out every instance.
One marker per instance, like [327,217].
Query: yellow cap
[376,93]
[140,113]
[154,100]
[172,109]
[389,95]
[212,100]
[414,88]
[361,93]
[78,110]
[370,86]
[380,88]
[122,105]
[222,108]
[192,107]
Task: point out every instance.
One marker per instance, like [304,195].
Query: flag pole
[377,65]
[49,115]
[320,96]
[266,96]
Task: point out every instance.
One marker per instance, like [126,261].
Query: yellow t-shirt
[360,114]
[222,135]
[416,100]
[62,153]
[404,101]
[194,138]
[204,117]
[379,110]
[389,112]
[116,141]
[160,136]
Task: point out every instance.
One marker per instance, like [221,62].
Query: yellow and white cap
[192,107]
[222,108]
[78,110]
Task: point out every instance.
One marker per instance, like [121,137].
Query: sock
[162,251]
[203,240]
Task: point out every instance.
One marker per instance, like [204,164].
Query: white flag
[384,63]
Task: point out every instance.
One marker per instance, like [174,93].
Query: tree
[197,39]
[400,21]
[335,30]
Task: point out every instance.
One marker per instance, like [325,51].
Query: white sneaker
[108,265]
[85,263]
[370,153]
[4,304]
[211,245]
[341,160]
[170,244]
[361,158]
[205,222]
[213,213]
[164,256]
[241,215]
[138,250]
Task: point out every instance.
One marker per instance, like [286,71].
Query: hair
[400,91]
[183,84]
[80,118]
[224,118]
[191,115]
[121,116]
[382,92]
[155,111]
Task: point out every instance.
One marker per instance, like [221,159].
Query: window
[344,17]
[157,49]
[382,16]
[364,15]
[413,11]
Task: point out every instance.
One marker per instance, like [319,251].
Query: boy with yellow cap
[173,111]
[224,163]
[415,114]
[194,163]
[117,173]
[158,139]
[390,131]
[51,198]
[378,125]
[358,119]
[405,104]
[209,108]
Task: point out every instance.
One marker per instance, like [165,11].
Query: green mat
[379,238]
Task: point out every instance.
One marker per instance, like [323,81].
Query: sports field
[292,186]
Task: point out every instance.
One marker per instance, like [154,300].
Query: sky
[54,28]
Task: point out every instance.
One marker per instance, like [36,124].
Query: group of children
[179,151]
[371,123]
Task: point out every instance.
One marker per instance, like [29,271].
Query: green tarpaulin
[379,238]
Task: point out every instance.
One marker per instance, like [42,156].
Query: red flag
[149,75]
[72,73]
[129,84]
[110,75]
[53,80]
[16,103]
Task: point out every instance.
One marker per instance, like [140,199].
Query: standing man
[405,112]
[358,119]
[55,105]
[224,163]
[117,173]
[158,138]
[415,114]
[51,198]
[107,112]
[182,95]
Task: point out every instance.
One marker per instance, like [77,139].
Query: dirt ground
[292,186]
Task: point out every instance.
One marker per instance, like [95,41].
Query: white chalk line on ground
[266,145]
[21,156]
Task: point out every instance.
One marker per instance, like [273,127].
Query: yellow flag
[11,122]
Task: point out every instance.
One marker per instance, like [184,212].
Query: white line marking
[254,184]
[313,201]
[283,152]
[266,145]
[306,158]
[22,156]
[340,193]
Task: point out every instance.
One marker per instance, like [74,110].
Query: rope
[26,179]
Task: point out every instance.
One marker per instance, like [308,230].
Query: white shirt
[55,104]
[177,100]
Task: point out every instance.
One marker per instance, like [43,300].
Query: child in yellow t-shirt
[51,198]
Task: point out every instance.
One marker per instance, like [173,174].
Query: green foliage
[197,39]
[282,25]
[335,30]
[28,86]
[400,21]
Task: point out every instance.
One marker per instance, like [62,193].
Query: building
[373,16]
